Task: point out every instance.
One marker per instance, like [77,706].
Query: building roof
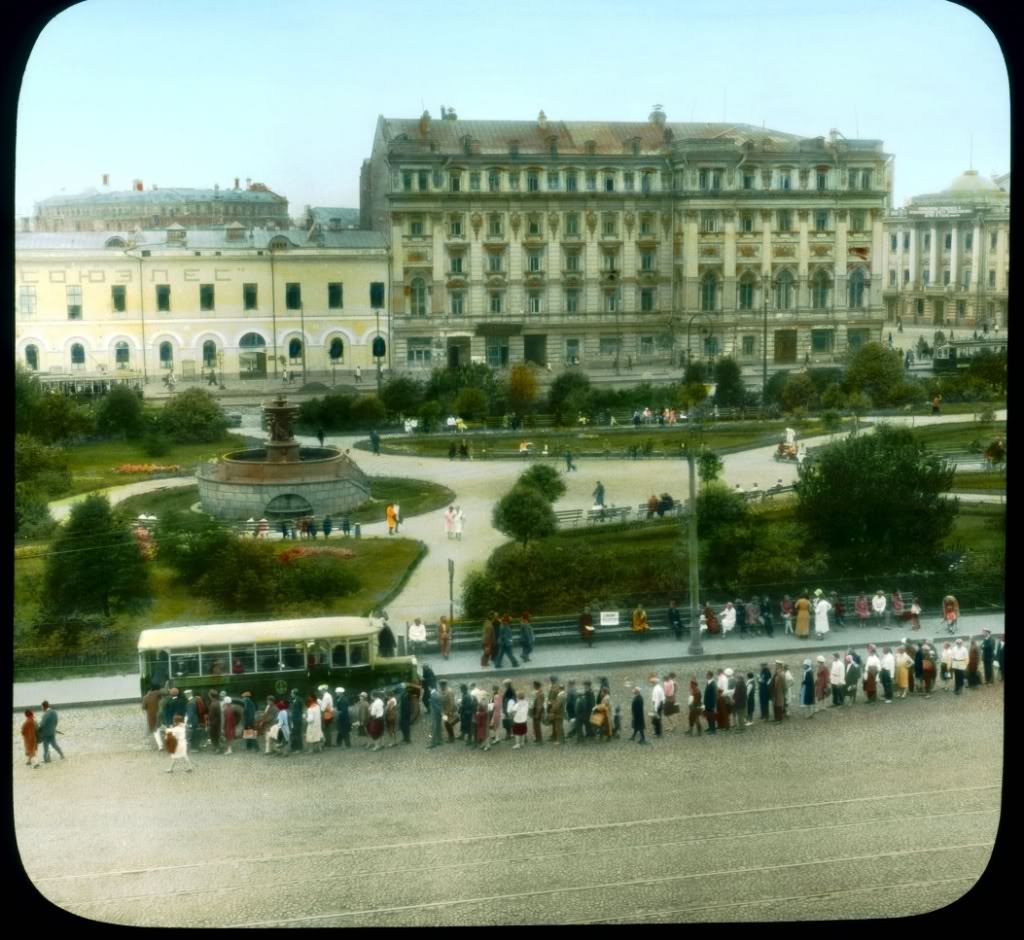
[609,137]
[969,188]
[264,631]
[196,238]
[971,182]
[329,215]
[151,197]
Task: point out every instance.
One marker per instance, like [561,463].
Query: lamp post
[695,648]
[764,346]
[302,330]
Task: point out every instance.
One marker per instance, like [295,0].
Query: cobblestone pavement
[864,811]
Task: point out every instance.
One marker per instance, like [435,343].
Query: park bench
[568,517]
[608,514]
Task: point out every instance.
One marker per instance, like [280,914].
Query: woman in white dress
[821,609]
[449,521]
[460,519]
[314,725]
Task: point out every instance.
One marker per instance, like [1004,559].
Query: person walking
[488,635]
[821,609]
[556,711]
[47,732]
[821,682]
[927,668]
[449,522]
[585,703]
[751,693]
[694,706]
[569,465]
[671,709]
[599,495]
[362,722]
[946,665]
[767,618]
[638,716]
[230,722]
[837,679]
[342,718]
[739,703]
[467,709]
[444,637]
[177,745]
[391,717]
[505,644]
[375,725]
[460,523]
[320,436]
[537,710]
[266,721]
[405,706]
[249,733]
[328,527]
[872,671]
[807,690]
[951,612]
[496,709]
[525,636]
[657,704]
[392,518]
[29,739]
[449,710]
[802,609]
[904,664]
[988,655]
[960,659]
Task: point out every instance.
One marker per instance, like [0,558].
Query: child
[176,742]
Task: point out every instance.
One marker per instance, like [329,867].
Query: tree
[545,479]
[569,395]
[58,419]
[367,411]
[41,467]
[723,518]
[691,395]
[193,416]
[523,514]
[401,395]
[776,383]
[27,394]
[875,503]
[94,565]
[877,372]
[991,368]
[120,412]
[799,392]
[429,415]
[709,466]
[522,388]
[245,579]
[191,544]
[730,391]
[471,403]
[696,373]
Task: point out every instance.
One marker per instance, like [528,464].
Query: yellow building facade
[247,304]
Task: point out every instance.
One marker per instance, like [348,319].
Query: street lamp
[767,286]
[695,647]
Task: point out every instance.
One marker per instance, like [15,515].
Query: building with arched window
[138,305]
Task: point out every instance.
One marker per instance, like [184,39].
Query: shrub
[317,577]
[524,514]
[522,388]
[401,395]
[833,397]
[246,577]
[471,403]
[877,372]
[730,391]
[193,416]
[545,479]
[120,412]
[43,468]
[799,392]
[429,415]
[776,383]
[155,444]
[367,411]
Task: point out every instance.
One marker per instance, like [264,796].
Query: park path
[60,509]
[478,484]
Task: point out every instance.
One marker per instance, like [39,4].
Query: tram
[955,355]
[271,657]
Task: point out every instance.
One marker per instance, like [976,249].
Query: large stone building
[246,303]
[140,208]
[612,245]
[947,258]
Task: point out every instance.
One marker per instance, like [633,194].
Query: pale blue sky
[197,92]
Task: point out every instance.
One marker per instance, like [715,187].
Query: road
[868,811]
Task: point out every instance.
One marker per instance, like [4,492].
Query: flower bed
[290,553]
[147,468]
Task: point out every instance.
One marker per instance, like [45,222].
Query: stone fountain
[283,480]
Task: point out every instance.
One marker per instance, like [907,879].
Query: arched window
[295,349]
[166,355]
[784,291]
[252,360]
[418,298]
[708,292]
[710,346]
[209,354]
[746,293]
[122,354]
[77,354]
[820,291]
[32,357]
[856,288]
[336,350]
[252,341]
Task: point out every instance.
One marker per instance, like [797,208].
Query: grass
[92,465]
[959,436]
[980,482]
[981,527]
[160,502]
[599,441]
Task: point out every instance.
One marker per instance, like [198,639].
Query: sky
[187,93]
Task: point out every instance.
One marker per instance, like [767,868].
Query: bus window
[359,654]
[185,663]
[215,662]
[242,661]
[293,657]
[339,659]
[159,667]
[268,657]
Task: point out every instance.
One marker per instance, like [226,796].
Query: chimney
[106,179]
[450,115]
[657,116]
[236,184]
[542,121]
[424,123]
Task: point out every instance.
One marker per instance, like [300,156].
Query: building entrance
[785,346]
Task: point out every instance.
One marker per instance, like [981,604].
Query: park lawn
[980,482]
[981,527]
[160,502]
[959,436]
[92,465]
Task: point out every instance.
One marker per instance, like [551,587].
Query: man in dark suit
[675,620]
[710,701]
[638,717]
[585,703]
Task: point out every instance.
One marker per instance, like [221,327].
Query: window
[552,179]
[454,182]
[821,221]
[570,181]
[163,297]
[646,225]
[893,243]
[572,224]
[335,295]
[865,179]
[513,180]
[906,275]
[906,241]
[646,345]
[572,351]
[711,346]
[892,278]
[497,302]
[856,338]
[994,240]
[74,296]
[608,346]
[418,297]
[416,226]
[708,221]
[926,276]
[455,226]
[856,288]
[708,293]
[716,180]
[493,181]
[647,183]
[967,278]
[785,180]
[947,242]
[78,353]
[123,354]
[968,241]
[32,357]
[820,291]
[532,181]
[117,297]
[407,182]
[534,226]
[746,294]
[647,300]
[609,182]
[852,178]
[748,180]
[533,261]
[474,182]
[295,350]
[611,302]
[627,181]
[456,264]
[494,262]
[647,261]
[27,300]
[822,181]
[336,351]
[293,296]
[572,261]
[591,181]
[497,353]
[494,226]
[533,301]
[857,220]
[572,301]
[422,183]
[784,291]
[961,309]
[456,303]
[704,180]
[784,221]
[249,295]
[417,353]
[945,277]
[991,279]
[166,355]
[746,222]
[209,353]
[748,345]
[822,341]
[609,225]
[609,261]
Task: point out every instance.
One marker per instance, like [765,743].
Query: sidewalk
[560,658]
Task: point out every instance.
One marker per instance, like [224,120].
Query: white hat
[807,662]
[728,672]
[226,700]
[339,691]
[321,688]
[818,592]
[821,659]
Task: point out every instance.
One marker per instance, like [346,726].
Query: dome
[971,182]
